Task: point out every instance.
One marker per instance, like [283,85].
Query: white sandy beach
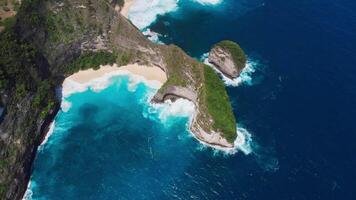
[99,79]
[149,73]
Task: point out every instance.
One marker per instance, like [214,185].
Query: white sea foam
[164,111]
[65,105]
[153,36]
[186,108]
[180,107]
[245,75]
[48,134]
[28,194]
[70,87]
[144,12]
[243,141]
[208,2]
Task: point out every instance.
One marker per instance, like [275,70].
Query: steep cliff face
[228,57]
[49,36]
[213,122]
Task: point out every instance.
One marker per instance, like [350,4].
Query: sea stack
[228,57]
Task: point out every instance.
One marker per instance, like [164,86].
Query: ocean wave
[153,36]
[28,194]
[48,134]
[245,75]
[208,2]
[70,87]
[165,112]
[243,143]
[144,12]
[65,105]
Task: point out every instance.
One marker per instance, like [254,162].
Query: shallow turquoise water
[111,144]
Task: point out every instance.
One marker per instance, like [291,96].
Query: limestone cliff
[39,52]
[228,57]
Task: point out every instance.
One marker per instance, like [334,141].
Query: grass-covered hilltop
[49,40]
[228,57]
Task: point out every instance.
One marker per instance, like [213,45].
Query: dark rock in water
[228,57]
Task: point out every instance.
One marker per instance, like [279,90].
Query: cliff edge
[228,57]
[51,40]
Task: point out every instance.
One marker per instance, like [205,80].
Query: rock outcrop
[62,31]
[228,57]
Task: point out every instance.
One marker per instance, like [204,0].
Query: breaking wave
[48,134]
[28,194]
[245,75]
[153,36]
[208,2]
[144,12]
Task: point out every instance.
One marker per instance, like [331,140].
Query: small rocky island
[228,57]
[52,39]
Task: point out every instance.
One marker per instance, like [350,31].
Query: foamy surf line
[242,143]
[143,13]
[152,36]
[28,194]
[181,107]
[48,135]
[245,76]
[186,108]
[208,2]
[100,79]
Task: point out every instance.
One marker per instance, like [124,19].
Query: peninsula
[53,39]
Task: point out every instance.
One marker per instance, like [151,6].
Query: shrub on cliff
[218,105]
[92,60]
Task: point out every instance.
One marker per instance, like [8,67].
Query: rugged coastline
[62,38]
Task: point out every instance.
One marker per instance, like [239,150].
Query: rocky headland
[228,57]
[52,39]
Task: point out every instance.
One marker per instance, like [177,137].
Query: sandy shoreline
[126,8]
[149,73]
[99,79]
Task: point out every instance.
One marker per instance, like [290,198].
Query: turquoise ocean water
[295,103]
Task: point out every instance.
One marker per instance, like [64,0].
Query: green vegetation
[176,67]
[91,60]
[213,101]
[58,28]
[218,105]
[43,99]
[2,189]
[124,58]
[237,53]
[19,70]
[17,61]
[24,77]
[119,2]
[8,22]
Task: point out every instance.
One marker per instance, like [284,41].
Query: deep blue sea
[298,105]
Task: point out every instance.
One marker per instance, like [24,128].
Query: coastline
[153,76]
[148,72]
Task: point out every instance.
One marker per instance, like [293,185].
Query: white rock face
[223,60]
